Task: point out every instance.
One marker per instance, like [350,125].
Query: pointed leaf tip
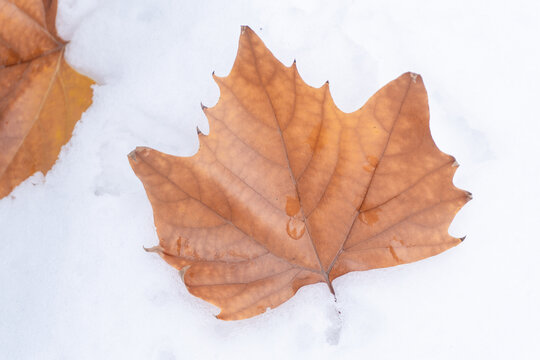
[133,155]
[154,249]
[245,29]
[415,77]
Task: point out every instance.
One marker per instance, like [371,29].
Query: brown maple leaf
[287,190]
[41,96]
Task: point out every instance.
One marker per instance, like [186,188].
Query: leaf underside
[287,190]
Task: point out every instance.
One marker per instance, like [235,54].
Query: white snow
[75,282]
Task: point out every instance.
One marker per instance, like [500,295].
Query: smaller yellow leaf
[41,96]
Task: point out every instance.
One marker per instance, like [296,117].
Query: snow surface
[76,283]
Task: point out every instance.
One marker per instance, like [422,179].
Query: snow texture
[75,282]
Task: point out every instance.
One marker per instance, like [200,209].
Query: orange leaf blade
[287,190]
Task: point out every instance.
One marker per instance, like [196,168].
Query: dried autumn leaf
[287,190]
[41,96]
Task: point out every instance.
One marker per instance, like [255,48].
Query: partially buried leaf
[287,190]
[41,96]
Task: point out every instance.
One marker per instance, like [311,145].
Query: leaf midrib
[227,221]
[326,273]
[60,47]
[368,187]
[41,105]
